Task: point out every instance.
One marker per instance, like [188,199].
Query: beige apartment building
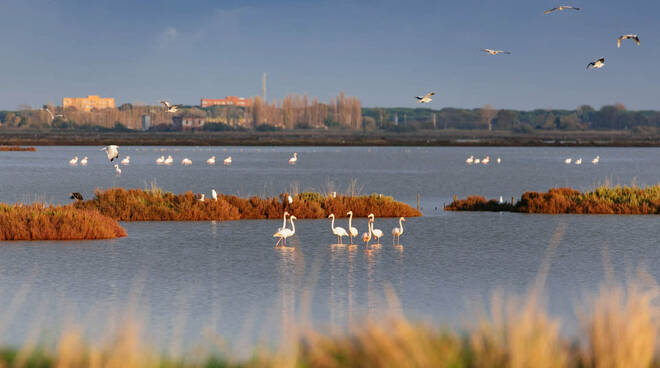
[88,103]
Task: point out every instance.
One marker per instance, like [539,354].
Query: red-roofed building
[227,101]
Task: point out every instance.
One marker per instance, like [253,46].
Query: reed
[157,205]
[603,200]
[41,222]
[17,149]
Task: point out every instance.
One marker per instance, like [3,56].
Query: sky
[384,52]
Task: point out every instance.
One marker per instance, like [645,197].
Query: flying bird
[76,196]
[495,52]
[169,106]
[596,64]
[426,98]
[112,151]
[560,8]
[627,37]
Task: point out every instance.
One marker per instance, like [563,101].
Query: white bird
[499,160]
[376,232]
[202,198]
[294,159]
[214,194]
[477,160]
[495,52]
[596,64]
[170,107]
[486,160]
[595,160]
[227,161]
[283,221]
[126,160]
[289,199]
[338,231]
[168,160]
[398,231]
[366,237]
[211,160]
[426,98]
[578,161]
[469,160]
[627,37]
[83,162]
[186,162]
[117,170]
[284,232]
[73,161]
[501,201]
[560,8]
[568,161]
[112,151]
[160,160]
[352,231]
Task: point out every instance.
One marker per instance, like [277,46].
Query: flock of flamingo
[484,161]
[578,161]
[283,232]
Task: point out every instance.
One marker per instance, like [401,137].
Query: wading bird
[486,160]
[168,160]
[560,8]
[160,160]
[578,161]
[186,162]
[211,160]
[214,194]
[595,160]
[499,160]
[112,151]
[283,221]
[83,162]
[469,160]
[76,196]
[378,233]
[202,198]
[398,231]
[366,237]
[568,161]
[627,37]
[170,108]
[496,52]
[227,161]
[284,233]
[426,98]
[596,64]
[477,160]
[294,159]
[352,231]
[339,232]
[73,161]
[289,199]
[126,160]
[117,170]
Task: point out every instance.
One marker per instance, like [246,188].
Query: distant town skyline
[383,52]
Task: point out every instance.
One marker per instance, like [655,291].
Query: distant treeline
[342,112]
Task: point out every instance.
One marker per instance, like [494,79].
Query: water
[226,277]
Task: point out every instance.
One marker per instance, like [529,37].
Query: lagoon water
[189,279]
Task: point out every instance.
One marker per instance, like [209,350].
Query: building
[88,103]
[146,122]
[227,101]
[188,123]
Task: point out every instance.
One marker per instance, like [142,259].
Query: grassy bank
[617,200]
[618,328]
[39,222]
[157,205]
[17,148]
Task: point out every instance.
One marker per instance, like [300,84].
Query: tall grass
[602,200]
[17,148]
[156,205]
[40,222]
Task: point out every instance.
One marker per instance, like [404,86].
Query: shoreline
[431,138]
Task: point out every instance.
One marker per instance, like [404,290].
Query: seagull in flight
[112,151]
[560,8]
[597,64]
[495,52]
[426,98]
[170,107]
[627,37]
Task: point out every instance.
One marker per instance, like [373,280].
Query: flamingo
[83,162]
[477,160]
[168,160]
[214,194]
[186,162]
[112,151]
[211,161]
[568,161]
[470,160]
[283,221]
[499,160]
[126,160]
[578,161]
[294,159]
[486,160]
[377,232]
[595,160]
[117,170]
[73,161]
[366,237]
[338,231]
[284,232]
[160,160]
[352,231]
[398,231]
[227,161]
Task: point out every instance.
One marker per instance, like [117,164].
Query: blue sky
[383,52]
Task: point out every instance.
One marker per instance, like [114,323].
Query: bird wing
[602,60]
[588,65]
[550,11]
[636,40]
[428,95]
[419,97]
[166,103]
[618,42]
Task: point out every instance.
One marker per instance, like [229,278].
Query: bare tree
[488,112]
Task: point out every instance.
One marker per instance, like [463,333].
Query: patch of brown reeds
[157,205]
[478,203]
[17,149]
[40,222]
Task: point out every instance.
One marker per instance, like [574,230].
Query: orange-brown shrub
[155,205]
[39,222]
[17,148]
[478,203]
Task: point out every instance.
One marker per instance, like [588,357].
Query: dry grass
[156,205]
[40,222]
[17,149]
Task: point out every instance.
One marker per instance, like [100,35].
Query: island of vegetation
[157,205]
[40,222]
[17,149]
[619,200]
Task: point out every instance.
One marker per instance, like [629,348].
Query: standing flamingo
[73,161]
[117,170]
[338,231]
[285,233]
[366,237]
[227,161]
[352,231]
[294,159]
[83,162]
[211,161]
[377,232]
[398,231]
[283,221]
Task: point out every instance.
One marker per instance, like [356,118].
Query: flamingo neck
[401,225]
[350,219]
[284,222]
[371,228]
[293,227]
[332,225]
